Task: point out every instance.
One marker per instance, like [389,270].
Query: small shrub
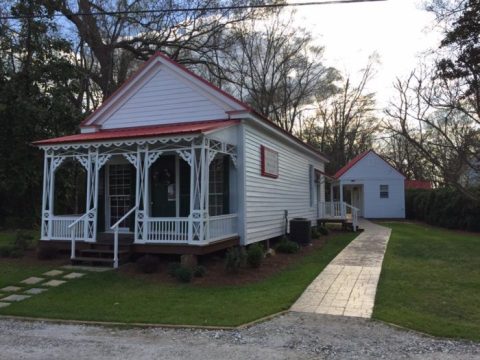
[286,246]
[255,255]
[199,271]
[6,250]
[147,264]
[172,268]
[183,274]
[315,233]
[234,259]
[16,253]
[23,240]
[323,230]
[47,252]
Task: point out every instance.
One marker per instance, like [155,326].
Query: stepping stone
[3,304]
[73,275]
[16,297]
[32,280]
[11,288]
[53,273]
[54,283]
[35,291]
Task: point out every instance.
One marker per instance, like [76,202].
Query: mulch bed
[30,259]
[215,266]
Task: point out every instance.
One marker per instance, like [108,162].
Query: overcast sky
[398,30]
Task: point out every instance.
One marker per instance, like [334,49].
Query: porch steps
[82,260]
[346,224]
[101,254]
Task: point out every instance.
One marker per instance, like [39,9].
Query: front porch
[344,205]
[164,191]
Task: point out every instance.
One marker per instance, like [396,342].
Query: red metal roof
[141,132]
[351,163]
[246,107]
[418,184]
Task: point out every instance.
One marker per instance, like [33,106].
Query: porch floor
[126,244]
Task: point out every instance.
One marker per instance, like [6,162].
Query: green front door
[163,191]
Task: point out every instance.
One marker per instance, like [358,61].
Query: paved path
[347,286]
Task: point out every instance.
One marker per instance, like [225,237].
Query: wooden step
[92,260]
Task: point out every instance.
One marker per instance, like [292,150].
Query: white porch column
[51,163]
[142,159]
[331,200]
[342,208]
[92,162]
[198,158]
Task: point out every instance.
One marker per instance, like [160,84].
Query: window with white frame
[217,187]
[383,191]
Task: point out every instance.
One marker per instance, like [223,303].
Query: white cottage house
[175,165]
[371,185]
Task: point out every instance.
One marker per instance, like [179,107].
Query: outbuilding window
[383,191]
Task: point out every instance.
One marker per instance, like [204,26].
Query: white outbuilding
[369,183]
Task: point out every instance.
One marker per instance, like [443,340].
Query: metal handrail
[355,212]
[81,218]
[72,227]
[115,227]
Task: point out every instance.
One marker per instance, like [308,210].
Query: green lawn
[112,296]
[430,281]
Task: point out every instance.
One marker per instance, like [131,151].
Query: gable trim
[338,175]
[135,82]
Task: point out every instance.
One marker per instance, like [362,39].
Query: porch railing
[331,210]
[77,229]
[61,227]
[338,210]
[172,230]
[352,212]
[222,226]
[115,228]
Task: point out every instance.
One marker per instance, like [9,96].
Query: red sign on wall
[269,160]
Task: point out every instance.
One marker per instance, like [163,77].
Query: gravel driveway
[291,336]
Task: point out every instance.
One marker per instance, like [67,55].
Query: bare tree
[276,68]
[441,129]
[345,123]
[404,156]
[109,45]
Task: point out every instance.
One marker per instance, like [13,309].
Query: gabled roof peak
[357,159]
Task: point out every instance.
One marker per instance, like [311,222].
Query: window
[218,191]
[383,191]
[269,162]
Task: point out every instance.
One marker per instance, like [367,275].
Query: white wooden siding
[228,135]
[267,198]
[371,172]
[165,98]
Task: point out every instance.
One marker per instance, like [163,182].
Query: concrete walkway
[347,286]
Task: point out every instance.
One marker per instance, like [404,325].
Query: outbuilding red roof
[418,184]
[141,132]
[351,163]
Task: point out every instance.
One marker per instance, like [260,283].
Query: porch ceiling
[140,132]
